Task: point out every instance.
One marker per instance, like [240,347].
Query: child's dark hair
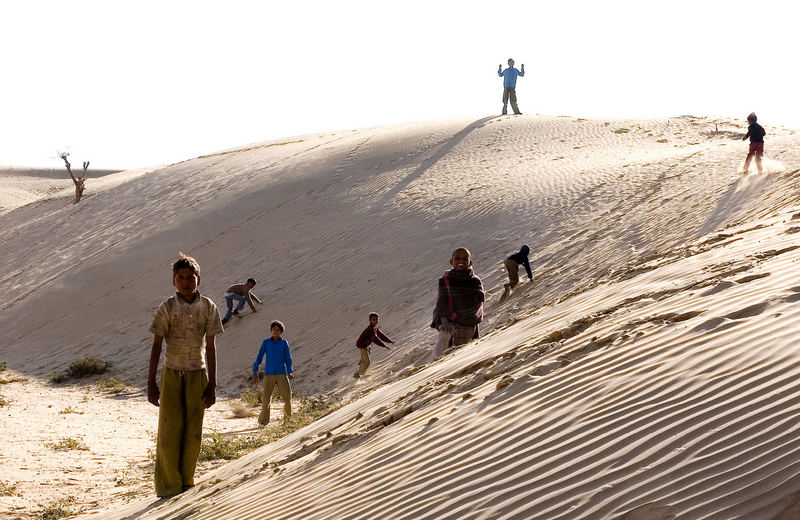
[752,118]
[185,261]
[373,314]
[251,280]
[461,250]
[278,324]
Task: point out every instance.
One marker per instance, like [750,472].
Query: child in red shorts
[756,134]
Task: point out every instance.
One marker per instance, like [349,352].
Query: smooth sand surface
[647,372]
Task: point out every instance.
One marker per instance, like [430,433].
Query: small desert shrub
[67,443]
[56,509]
[621,131]
[87,366]
[124,477]
[3,401]
[112,385]
[57,379]
[7,490]
[252,397]
[3,366]
[70,409]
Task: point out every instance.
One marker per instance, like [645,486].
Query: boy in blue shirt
[277,371]
[510,85]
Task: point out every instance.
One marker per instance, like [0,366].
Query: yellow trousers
[364,363]
[180,429]
[270,382]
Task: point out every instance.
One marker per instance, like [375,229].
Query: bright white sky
[132,84]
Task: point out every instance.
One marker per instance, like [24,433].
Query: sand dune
[646,373]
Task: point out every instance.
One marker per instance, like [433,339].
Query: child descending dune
[756,134]
[372,334]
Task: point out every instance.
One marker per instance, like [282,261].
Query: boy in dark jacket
[512,264]
[459,304]
[756,134]
[372,334]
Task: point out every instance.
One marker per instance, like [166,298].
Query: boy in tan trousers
[277,371]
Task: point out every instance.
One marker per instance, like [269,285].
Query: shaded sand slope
[669,395]
[337,225]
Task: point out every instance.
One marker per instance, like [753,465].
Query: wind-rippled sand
[646,373]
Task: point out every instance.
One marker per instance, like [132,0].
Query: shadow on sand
[443,150]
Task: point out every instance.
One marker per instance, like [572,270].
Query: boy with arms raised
[459,304]
[188,322]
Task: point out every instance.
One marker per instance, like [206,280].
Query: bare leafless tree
[79,181]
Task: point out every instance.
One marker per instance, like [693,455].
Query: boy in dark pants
[189,323]
[756,134]
[372,334]
[459,303]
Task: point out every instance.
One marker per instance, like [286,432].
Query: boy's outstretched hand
[210,395]
[153,393]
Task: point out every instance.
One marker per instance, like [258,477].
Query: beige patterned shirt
[184,326]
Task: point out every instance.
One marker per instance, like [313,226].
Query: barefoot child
[188,322]
[756,134]
[459,304]
[277,371]
[372,334]
[241,294]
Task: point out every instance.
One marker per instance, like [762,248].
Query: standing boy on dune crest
[189,323]
[459,304]
[510,85]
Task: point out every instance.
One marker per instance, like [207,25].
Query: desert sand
[647,372]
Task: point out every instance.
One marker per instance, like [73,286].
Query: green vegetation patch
[67,443]
[87,366]
[112,385]
[56,509]
[219,446]
[7,490]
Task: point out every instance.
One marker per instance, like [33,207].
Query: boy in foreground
[372,334]
[188,322]
[459,304]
